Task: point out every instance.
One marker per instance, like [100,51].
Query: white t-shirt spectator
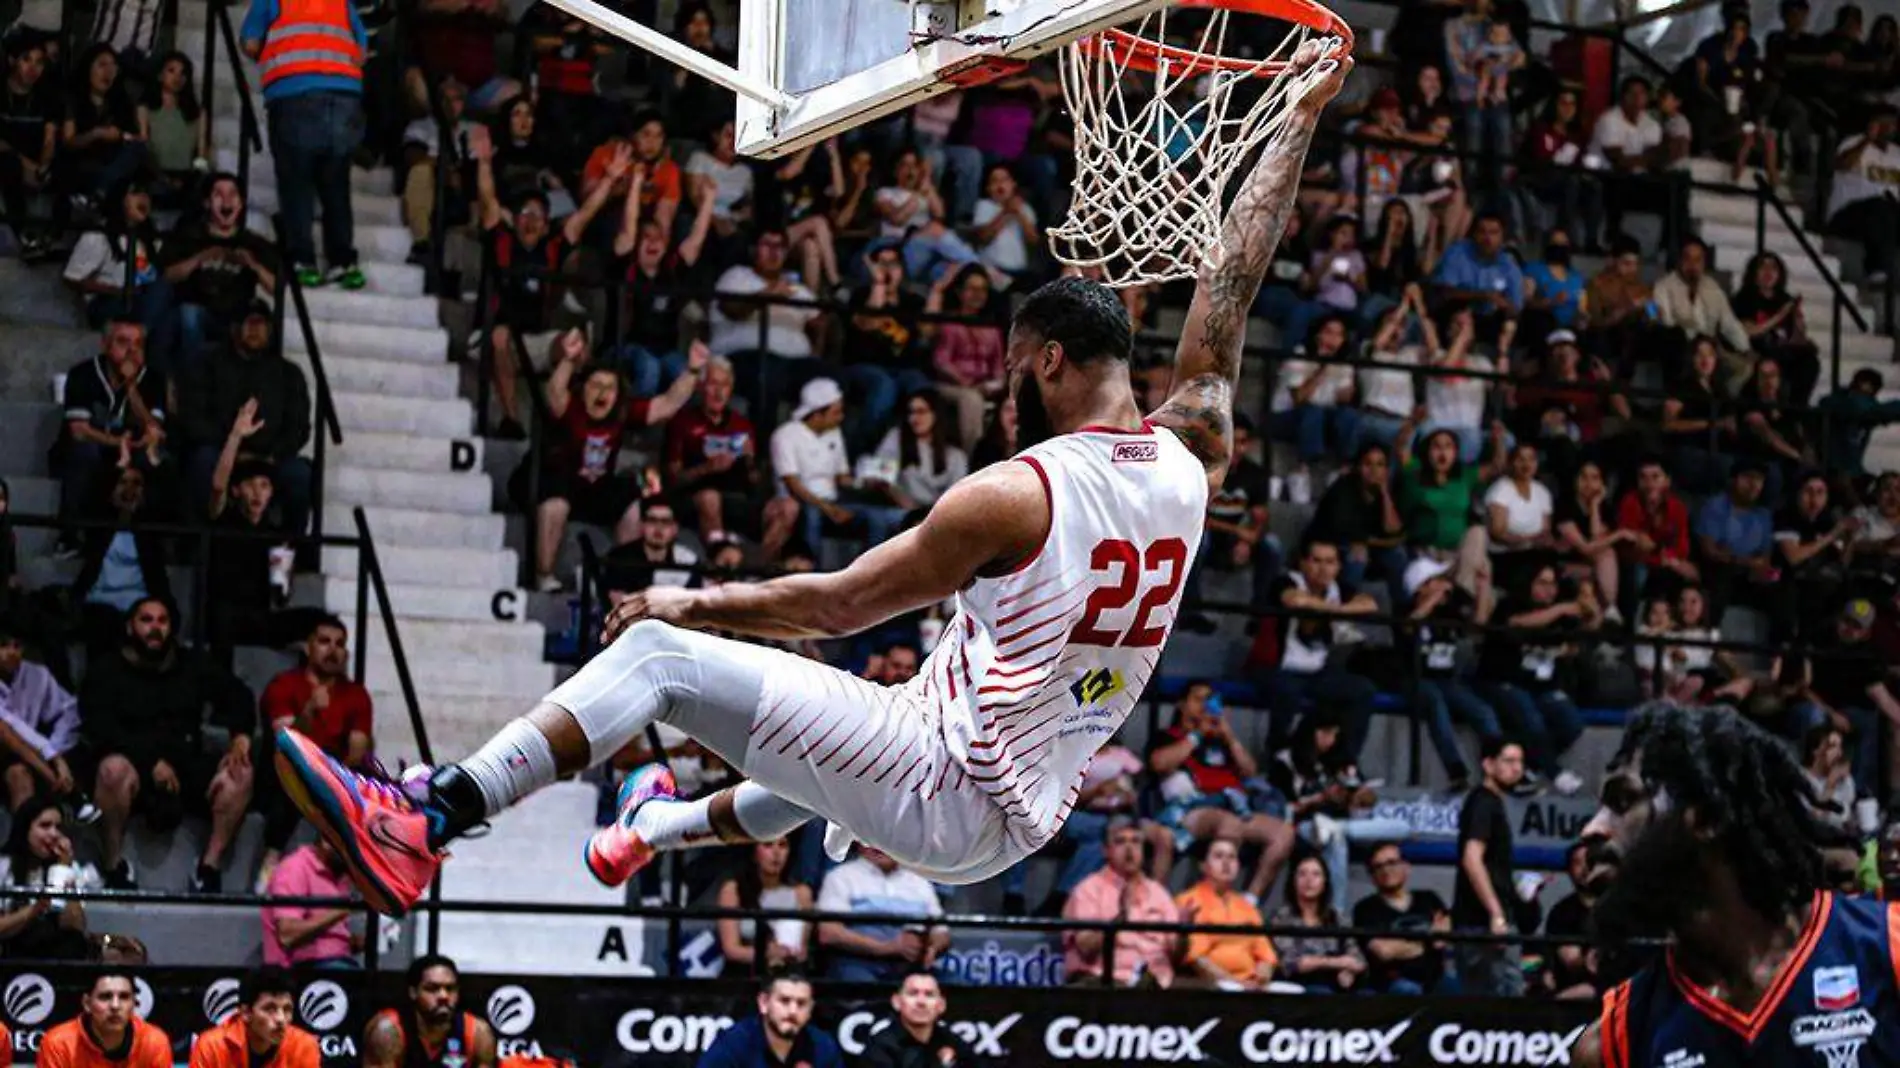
[1522,517]
[1007,251]
[1385,390]
[917,214]
[1295,372]
[732,182]
[1616,131]
[858,886]
[785,330]
[95,259]
[817,460]
[1457,401]
[1877,174]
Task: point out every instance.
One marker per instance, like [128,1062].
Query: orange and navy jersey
[228,1045]
[1834,1004]
[70,1046]
[458,1050]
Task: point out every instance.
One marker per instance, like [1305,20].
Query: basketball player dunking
[1067,565]
[1706,827]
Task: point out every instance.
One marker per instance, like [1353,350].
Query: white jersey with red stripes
[1040,666]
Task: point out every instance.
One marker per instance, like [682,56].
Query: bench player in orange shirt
[260,1033]
[107,1033]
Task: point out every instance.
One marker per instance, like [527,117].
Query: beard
[1033,425]
[1659,883]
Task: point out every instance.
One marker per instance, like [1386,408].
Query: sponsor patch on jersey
[1836,989]
[1097,686]
[1135,452]
[1834,1028]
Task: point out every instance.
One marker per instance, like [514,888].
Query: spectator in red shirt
[526,248]
[1661,523]
[578,479]
[327,706]
[712,456]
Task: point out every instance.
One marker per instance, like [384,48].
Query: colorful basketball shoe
[615,852]
[381,827]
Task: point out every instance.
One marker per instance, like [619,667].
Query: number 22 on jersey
[1127,571]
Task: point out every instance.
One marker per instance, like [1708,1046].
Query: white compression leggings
[705,686]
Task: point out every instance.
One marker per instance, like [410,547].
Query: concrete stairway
[1728,223]
[410,460]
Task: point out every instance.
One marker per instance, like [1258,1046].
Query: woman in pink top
[967,356]
[294,934]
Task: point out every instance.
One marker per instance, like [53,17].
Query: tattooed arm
[1207,363]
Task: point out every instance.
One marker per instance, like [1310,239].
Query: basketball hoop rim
[1143,54]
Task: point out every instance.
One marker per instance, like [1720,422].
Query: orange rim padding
[1141,53]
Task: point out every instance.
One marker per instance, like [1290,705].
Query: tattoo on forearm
[1255,224]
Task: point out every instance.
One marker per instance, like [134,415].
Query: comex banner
[657,1024]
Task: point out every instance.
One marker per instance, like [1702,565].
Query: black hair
[1493,748]
[1086,318]
[1747,791]
[1313,542]
[1328,915]
[264,982]
[1865,375]
[1623,87]
[783,973]
[639,119]
[1310,343]
[1369,448]
[1426,473]
[1625,245]
[1692,241]
[424,964]
[152,598]
[116,96]
[1491,216]
[1793,5]
[328,619]
[112,971]
[187,94]
[1381,846]
[1199,680]
[749,885]
[686,12]
[22,863]
[1812,741]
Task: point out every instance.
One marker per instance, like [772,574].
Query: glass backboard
[841,63]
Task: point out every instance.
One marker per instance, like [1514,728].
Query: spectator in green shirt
[1438,495]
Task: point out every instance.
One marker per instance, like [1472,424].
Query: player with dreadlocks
[1706,831]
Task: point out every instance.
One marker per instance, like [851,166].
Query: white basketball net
[1154,152]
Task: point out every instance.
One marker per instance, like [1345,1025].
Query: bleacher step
[406,452]
[415,344]
[390,378]
[430,602]
[436,566]
[408,415]
[414,527]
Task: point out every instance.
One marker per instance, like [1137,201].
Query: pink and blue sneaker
[616,852]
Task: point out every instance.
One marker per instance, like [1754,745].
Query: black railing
[369,565]
[330,429]
[218,30]
[1766,198]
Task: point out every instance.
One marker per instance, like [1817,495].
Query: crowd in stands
[731,366]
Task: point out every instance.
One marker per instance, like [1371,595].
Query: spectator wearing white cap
[813,467]
[1444,653]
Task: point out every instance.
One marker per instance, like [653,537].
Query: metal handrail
[250,130]
[373,567]
[1767,198]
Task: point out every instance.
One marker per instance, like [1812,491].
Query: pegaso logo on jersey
[1096,686]
[1135,452]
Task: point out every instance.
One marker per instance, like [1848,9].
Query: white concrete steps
[523,679]
[366,307]
[375,243]
[1735,243]
[429,602]
[457,725]
[403,415]
[413,565]
[477,641]
[1733,210]
[406,452]
[354,374]
[415,344]
[394,527]
[466,493]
